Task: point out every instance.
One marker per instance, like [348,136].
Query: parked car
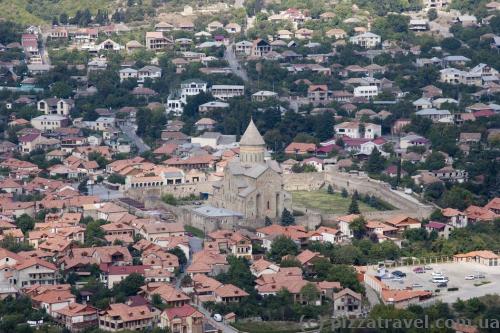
[428,268]
[419,270]
[437,273]
[217,317]
[439,279]
[416,285]
[399,274]
[470,277]
[442,285]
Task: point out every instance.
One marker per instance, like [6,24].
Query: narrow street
[129,131]
[219,325]
[230,57]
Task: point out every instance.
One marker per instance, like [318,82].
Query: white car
[437,274]
[470,277]
[217,317]
[416,285]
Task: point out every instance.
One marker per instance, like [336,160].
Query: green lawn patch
[327,203]
[269,327]
[481,283]
[195,231]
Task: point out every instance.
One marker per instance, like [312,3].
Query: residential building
[57,106]
[119,316]
[50,122]
[356,130]
[226,91]
[156,41]
[318,93]
[347,303]
[260,48]
[366,91]
[366,40]
[484,257]
[77,317]
[184,319]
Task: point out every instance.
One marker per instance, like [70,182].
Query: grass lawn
[195,231]
[268,327]
[326,203]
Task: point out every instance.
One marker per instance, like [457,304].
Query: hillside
[42,11]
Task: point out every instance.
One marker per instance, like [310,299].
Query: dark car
[399,274]
[442,285]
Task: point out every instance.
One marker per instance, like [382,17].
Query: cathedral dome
[252,137]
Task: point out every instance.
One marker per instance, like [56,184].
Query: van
[439,279]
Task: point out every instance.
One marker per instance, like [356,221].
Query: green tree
[238,274]
[25,223]
[83,188]
[329,189]
[353,207]
[435,161]
[287,218]
[344,193]
[130,285]
[309,293]
[346,275]
[179,254]
[432,14]
[434,191]
[94,235]
[457,197]
[281,246]
[376,162]
[267,221]
[451,44]
[358,227]
[116,178]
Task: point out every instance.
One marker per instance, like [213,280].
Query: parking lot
[456,273]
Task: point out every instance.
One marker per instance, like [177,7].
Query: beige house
[484,257]
[346,303]
[156,230]
[156,41]
[119,316]
[49,122]
[185,319]
[59,106]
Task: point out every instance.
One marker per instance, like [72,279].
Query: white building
[366,91]
[127,73]
[366,40]
[352,130]
[148,72]
[192,88]
[226,91]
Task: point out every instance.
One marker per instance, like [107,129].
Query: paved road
[221,326]
[196,245]
[43,50]
[129,131]
[230,57]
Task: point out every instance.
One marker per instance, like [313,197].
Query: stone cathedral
[252,185]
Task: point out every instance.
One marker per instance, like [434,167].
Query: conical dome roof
[252,137]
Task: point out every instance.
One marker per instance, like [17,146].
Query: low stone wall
[178,191]
[365,185]
[307,181]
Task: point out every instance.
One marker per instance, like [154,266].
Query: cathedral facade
[252,185]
